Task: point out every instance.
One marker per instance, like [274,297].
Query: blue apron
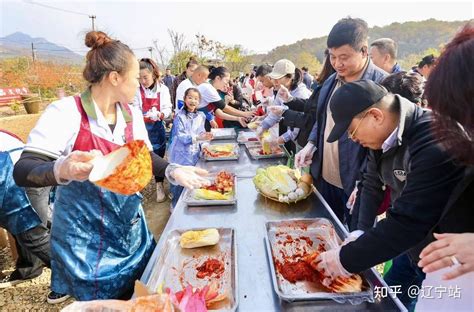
[100,242]
[156,134]
[156,129]
[16,213]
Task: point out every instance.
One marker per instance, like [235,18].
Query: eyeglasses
[351,135]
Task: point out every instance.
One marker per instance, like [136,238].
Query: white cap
[282,68]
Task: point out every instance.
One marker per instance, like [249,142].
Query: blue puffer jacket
[186,126]
[352,156]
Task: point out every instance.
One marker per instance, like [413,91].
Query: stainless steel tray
[191,201]
[277,243]
[175,267]
[244,136]
[253,149]
[224,133]
[234,157]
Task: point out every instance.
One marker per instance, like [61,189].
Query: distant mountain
[412,38]
[19,44]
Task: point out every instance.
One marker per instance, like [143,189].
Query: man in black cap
[404,155]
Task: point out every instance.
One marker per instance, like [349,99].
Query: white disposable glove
[351,201]
[278,110]
[74,167]
[304,157]
[330,265]
[205,136]
[190,177]
[284,94]
[352,236]
[153,114]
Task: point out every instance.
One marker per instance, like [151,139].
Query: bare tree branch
[162,53]
[177,40]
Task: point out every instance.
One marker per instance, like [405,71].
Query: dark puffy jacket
[421,176]
[302,114]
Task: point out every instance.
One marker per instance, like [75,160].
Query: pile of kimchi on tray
[292,247]
[201,259]
[220,151]
[221,191]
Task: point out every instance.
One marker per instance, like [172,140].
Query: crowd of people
[377,139]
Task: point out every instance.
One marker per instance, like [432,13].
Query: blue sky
[258,26]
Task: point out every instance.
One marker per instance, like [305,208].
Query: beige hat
[282,68]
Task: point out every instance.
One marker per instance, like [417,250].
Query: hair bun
[95,39]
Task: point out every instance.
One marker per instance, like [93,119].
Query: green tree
[179,60]
[306,59]
[413,59]
[235,59]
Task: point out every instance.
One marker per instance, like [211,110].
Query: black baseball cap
[351,99]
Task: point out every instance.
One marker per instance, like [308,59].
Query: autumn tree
[178,61]
[235,59]
[306,59]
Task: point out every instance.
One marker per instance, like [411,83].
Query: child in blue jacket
[188,130]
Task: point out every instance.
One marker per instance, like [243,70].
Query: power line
[55,8]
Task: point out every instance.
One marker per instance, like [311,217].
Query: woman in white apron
[100,242]
[153,99]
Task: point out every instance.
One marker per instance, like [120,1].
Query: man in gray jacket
[335,167]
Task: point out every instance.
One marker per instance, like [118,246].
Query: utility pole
[33,52]
[150,49]
[92,17]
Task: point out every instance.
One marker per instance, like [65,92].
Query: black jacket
[457,216]
[421,176]
[302,114]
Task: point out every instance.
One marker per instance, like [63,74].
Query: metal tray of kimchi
[191,200]
[177,267]
[288,244]
[246,136]
[215,154]
[223,133]
[255,151]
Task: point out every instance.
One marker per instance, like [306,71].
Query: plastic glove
[214,124]
[259,131]
[304,157]
[330,265]
[351,201]
[74,167]
[153,114]
[284,94]
[190,177]
[277,110]
[205,136]
[352,236]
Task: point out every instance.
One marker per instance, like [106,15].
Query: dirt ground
[31,295]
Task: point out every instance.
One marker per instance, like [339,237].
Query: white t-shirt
[8,143]
[182,87]
[57,129]
[209,94]
[165,98]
